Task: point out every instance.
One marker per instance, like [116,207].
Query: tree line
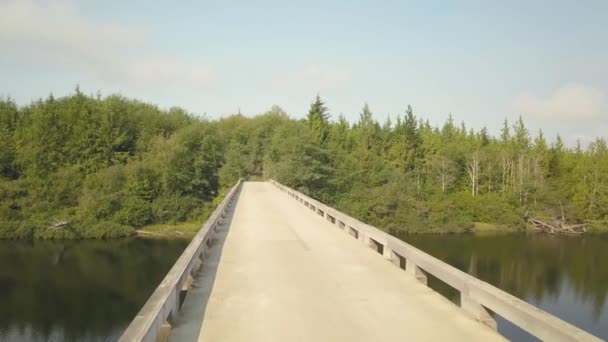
[405,175]
[100,167]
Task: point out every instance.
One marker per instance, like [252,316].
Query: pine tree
[318,118]
[8,124]
[411,140]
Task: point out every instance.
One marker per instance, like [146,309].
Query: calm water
[566,276]
[78,290]
[90,290]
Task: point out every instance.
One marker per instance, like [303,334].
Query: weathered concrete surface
[285,274]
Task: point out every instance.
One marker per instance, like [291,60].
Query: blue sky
[482,61]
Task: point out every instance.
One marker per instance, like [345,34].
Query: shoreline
[187,230]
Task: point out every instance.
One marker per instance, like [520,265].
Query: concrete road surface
[279,272]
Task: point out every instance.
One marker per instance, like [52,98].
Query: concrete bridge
[272,264]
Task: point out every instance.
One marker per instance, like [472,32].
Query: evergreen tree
[120,163]
[318,118]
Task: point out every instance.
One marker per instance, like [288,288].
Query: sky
[481,61]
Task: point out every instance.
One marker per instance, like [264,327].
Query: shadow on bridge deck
[187,325]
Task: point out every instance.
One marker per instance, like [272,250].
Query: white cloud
[310,78]
[56,35]
[59,23]
[568,103]
[56,30]
[166,69]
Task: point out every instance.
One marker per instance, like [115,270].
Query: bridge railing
[477,298]
[153,322]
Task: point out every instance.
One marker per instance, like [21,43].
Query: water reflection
[562,275]
[78,290]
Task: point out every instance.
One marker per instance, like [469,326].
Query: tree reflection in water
[78,290]
[564,275]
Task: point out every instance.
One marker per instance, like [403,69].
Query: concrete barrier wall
[477,298]
[153,322]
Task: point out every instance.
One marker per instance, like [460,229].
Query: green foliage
[174,208]
[294,159]
[247,142]
[134,212]
[318,120]
[410,176]
[103,167]
[8,121]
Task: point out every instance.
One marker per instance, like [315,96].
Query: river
[91,290]
[78,290]
[564,275]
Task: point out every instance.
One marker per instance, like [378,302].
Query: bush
[108,230]
[135,212]
[99,208]
[600,226]
[174,208]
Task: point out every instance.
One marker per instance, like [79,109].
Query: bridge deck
[280,272]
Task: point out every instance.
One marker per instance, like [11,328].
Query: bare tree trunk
[489,169]
[513,174]
[504,174]
[472,167]
[443,176]
[418,183]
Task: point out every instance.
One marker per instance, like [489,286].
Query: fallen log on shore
[58,224]
[160,233]
[559,227]
[145,232]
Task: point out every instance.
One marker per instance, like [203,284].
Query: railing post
[363,238]
[353,232]
[415,271]
[388,254]
[368,241]
[188,283]
[397,259]
[476,310]
[163,332]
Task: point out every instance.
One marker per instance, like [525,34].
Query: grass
[598,227]
[182,229]
[482,227]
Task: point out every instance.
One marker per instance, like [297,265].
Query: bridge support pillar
[188,283]
[477,311]
[366,240]
[198,262]
[396,259]
[163,333]
[220,221]
[389,255]
[415,271]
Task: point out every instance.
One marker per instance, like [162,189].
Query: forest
[87,166]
